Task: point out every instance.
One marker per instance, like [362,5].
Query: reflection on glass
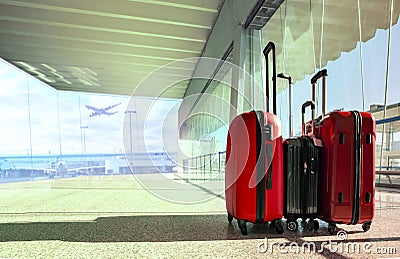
[48,133]
[310,36]
[203,134]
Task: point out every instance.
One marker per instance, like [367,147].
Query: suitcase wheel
[277,223]
[292,225]
[230,218]
[332,228]
[242,226]
[313,225]
[316,224]
[366,226]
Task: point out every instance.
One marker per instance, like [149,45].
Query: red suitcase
[348,175]
[254,165]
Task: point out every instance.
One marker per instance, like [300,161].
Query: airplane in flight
[101,111]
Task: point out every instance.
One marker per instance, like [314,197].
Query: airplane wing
[40,169]
[58,171]
[77,169]
[110,113]
[47,169]
[92,108]
[111,106]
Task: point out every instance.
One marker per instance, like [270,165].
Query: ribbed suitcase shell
[348,175]
[302,167]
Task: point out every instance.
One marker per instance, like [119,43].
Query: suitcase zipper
[260,169]
[357,167]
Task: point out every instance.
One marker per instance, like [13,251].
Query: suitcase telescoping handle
[303,115]
[320,74]
[289,78]
[270,47]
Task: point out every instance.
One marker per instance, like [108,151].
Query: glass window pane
[14,132]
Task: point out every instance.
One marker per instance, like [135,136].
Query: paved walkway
[115,217]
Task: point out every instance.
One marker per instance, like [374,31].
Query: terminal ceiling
[104,46]
[110,46]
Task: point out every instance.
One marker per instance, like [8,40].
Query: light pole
[130,112]
[84,144]
[84,138]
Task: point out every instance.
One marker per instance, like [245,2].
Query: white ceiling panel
[105,46]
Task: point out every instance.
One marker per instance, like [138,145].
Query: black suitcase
[302,166]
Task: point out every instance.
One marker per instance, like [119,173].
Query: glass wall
[42,121]
[44,128]
[15,116]
[204,130]
[60,145]
[353,47]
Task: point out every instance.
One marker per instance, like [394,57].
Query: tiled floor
[114,217]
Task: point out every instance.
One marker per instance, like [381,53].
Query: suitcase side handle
[320,74]
[303,115]
[270,47]
[269,155]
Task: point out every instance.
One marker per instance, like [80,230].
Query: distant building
[391,126]
[86,164]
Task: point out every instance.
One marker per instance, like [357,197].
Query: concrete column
[238,58]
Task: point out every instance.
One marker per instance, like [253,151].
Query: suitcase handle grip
[320,74]
[287,77]
[270,47]
[303,115]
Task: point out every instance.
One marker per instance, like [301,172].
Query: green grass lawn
[88,197]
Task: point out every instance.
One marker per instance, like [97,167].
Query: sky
[41,128]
